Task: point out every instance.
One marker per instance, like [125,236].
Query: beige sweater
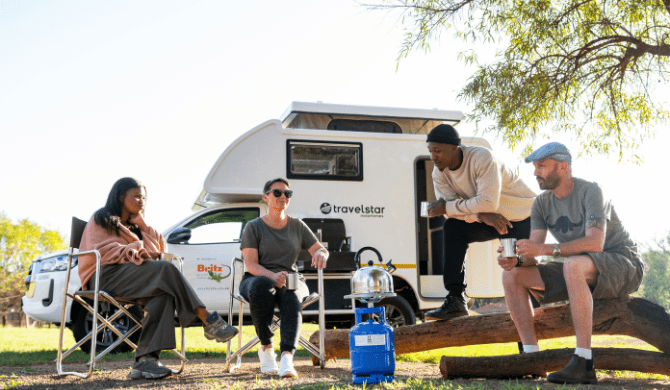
[124,248]
[482,184]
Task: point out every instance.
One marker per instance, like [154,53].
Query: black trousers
[262,295]
[458,235]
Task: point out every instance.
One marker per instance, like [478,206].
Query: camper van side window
[220,226]
[324,160]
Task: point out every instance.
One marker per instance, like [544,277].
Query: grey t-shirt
[567,219]
[278,249]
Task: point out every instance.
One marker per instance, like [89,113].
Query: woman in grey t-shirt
[270,247]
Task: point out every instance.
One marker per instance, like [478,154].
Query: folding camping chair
[83,297]
[319,353]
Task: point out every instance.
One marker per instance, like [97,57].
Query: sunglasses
[277,193]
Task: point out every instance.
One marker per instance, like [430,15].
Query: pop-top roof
[323,116]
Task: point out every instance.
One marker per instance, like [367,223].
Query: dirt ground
[210,374]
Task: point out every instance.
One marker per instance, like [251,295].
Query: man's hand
[498,221]
[437,208]
[506,263]
[528,248]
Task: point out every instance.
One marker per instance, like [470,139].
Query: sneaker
[286,369]
[268,360]
[219,329]
[454,306]
[579,370]
[149,368]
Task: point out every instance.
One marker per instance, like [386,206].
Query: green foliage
[585,67]
[656,282]
[19,243]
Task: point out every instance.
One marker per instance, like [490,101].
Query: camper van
[359,175]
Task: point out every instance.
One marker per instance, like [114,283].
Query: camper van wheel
[398,311]
[82,327]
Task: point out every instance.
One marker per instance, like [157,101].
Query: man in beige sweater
[480,198]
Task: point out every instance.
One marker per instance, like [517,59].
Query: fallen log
[629,316]
[539,363]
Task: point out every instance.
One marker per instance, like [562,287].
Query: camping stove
[371,343]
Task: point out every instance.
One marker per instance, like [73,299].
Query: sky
[94,91]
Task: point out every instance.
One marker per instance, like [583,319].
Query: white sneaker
[268,360]
[286,369]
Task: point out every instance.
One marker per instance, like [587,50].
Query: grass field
[22,346]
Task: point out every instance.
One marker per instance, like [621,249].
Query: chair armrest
[172,257]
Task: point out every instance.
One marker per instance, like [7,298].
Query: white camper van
[359,175]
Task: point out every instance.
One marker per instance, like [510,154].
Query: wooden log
[540,363]
[629,316]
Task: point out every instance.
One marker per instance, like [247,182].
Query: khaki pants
[620,273]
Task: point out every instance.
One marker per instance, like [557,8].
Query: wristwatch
[557,251]
[519,261]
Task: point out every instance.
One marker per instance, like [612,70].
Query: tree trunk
[628,316]
[540,363]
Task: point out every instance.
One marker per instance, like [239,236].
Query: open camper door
[483,274]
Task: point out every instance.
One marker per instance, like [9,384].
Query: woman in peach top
[129,249]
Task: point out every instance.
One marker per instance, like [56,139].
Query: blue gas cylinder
[372,348]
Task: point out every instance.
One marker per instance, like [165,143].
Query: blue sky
[94,91]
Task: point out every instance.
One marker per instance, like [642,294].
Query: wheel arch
[405,290]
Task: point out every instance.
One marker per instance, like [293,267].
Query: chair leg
[180,354]
[60,356]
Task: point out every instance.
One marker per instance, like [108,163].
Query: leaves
[20,243]
[586,67]
[656,282]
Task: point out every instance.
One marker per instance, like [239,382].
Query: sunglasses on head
[277,193]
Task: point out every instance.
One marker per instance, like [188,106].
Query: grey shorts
[620,273]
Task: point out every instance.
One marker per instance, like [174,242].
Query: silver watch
[557,251]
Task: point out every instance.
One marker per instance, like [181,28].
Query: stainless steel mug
[424,209]
[509,247]
[292,281]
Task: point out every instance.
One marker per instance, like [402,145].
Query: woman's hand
[138,219]
[279,278]
[319,258]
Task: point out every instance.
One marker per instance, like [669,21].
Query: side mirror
[180,235]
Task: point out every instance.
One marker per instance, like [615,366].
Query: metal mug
[292,281]
[424,209]
[168,257]
[508,247]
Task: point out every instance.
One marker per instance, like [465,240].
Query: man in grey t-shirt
[601,260]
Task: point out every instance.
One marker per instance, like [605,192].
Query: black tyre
[84,321]
[398,311]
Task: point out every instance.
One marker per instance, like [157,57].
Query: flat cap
[553,150]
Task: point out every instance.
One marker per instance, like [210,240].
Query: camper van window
[324,160]
[220,226]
